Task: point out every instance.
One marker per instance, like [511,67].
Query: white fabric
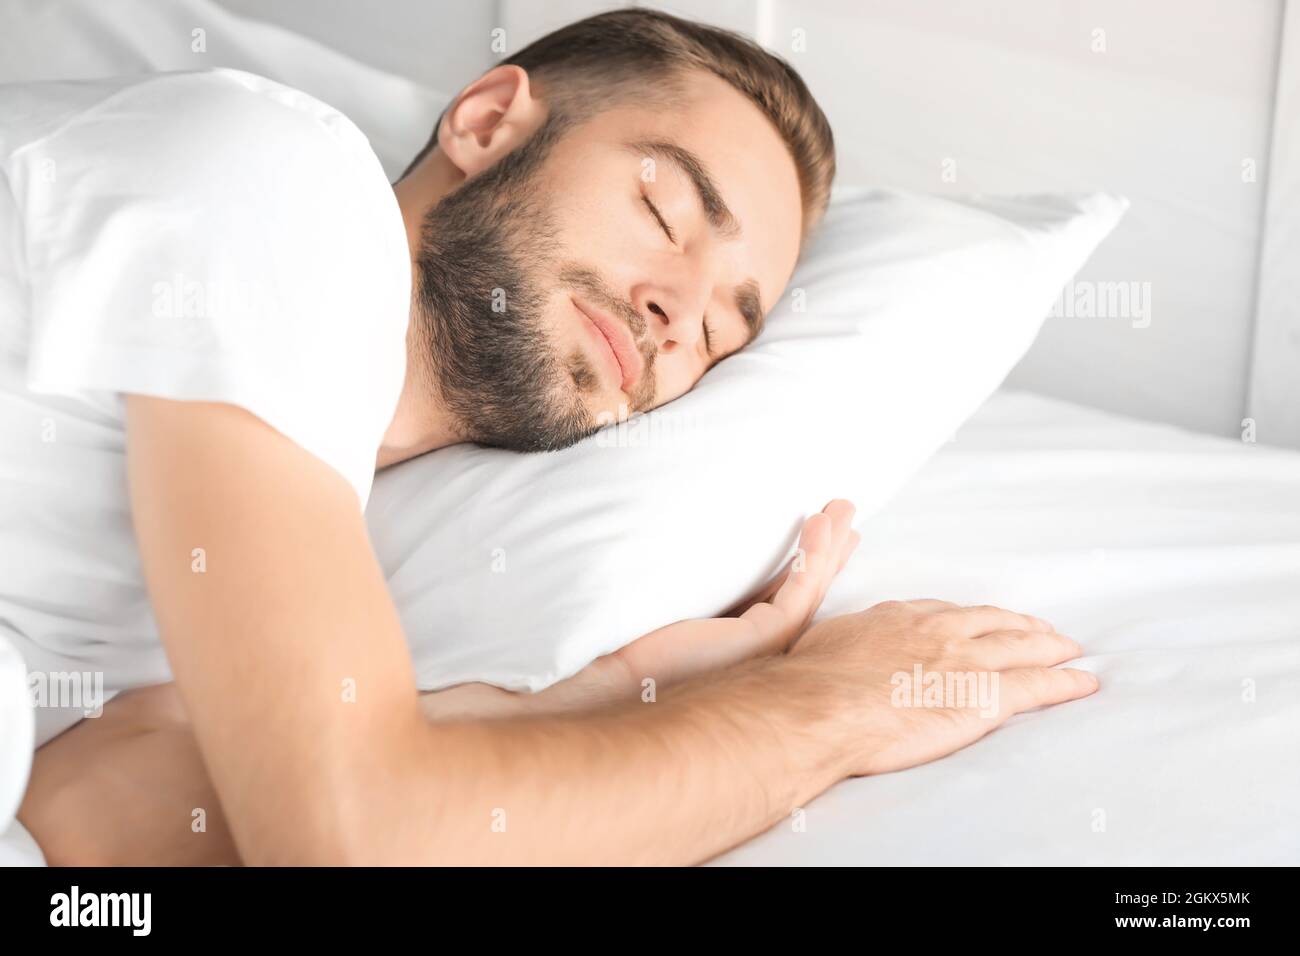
[1173,558]
[907,312]
[18,847]
[16,729]
[205,236]
[211,236]
[87,39]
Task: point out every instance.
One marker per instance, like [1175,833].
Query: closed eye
[654,211]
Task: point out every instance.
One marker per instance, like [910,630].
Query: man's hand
[766,624]
[869,660]
[128,788]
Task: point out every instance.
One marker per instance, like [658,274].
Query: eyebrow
[749,301]
[750,304]
[720,217]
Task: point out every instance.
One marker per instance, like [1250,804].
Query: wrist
[820,744]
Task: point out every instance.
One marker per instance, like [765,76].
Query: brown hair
[637,53]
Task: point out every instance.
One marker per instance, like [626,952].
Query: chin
[611,411]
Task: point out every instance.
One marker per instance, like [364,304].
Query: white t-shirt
[208,236]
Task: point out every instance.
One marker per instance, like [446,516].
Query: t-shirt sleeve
[218,237]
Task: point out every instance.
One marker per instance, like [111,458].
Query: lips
[614,339]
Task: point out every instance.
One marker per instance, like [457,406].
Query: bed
[1172,557]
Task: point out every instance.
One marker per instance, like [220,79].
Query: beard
[485,254]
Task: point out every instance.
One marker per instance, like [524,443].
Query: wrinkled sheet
[1174,559]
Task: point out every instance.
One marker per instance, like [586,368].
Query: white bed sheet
[1174,559]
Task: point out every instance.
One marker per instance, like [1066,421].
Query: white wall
[1171,104]
[442,43]
[1010,95]
[1275,373]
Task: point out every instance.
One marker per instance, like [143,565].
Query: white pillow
[907,312]
[518,570]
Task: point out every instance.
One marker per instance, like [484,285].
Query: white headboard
[1189,313]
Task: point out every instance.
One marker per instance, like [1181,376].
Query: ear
[491,117]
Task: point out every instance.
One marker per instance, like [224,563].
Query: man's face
[602,271]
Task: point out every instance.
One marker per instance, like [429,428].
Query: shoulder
[219,237]
[204,162]
[230,116]
[197,135]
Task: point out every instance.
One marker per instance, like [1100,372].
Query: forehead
[742,153]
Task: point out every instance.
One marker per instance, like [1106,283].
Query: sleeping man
[220,319]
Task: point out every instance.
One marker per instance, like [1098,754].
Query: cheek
[583,208]
[596,222]
[673,378]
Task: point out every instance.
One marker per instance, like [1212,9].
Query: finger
[1029,687]
[841,513]
[768,591]
[984,619]
[798,596]
[843,550]
[675,653]
[819,533]
[819,555]
[1003,650]
[774,630]
[846,551]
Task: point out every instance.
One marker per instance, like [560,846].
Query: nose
[675,320]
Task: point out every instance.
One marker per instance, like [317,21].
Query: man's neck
[421,423]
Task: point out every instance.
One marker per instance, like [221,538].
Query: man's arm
[290,659]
